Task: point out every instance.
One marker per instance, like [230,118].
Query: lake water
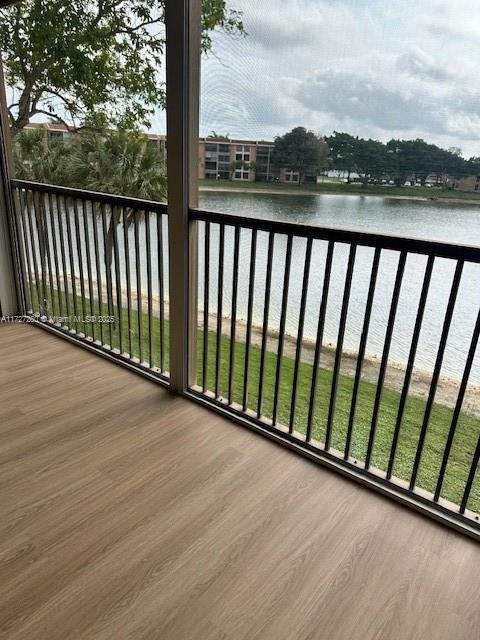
[421,219]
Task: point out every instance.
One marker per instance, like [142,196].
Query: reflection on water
[428,220]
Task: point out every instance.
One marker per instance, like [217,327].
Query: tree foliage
[115,162]
[421,158]
[93,61]
[398,160]
[300,150]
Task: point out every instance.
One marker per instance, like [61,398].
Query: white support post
[183,29]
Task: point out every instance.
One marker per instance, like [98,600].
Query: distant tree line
[396,160]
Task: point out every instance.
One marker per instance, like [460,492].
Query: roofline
[54,126]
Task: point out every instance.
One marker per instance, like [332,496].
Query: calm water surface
[421,219]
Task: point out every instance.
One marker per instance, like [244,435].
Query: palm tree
[38,159]
[118,163]
[115,162]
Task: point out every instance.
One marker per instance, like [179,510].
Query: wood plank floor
[127,512]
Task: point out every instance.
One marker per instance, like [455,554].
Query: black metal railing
[358,349]
[97,269]
[291,318]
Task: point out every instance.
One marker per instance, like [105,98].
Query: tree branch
[132,29]
[56,117]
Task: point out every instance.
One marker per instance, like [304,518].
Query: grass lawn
[343,188]
[468,429]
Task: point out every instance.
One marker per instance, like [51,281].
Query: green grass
[468,429]
[344,188]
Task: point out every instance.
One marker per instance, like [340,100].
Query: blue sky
[373,68]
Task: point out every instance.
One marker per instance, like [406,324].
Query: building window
[263,151]
[55,135]
[211,147]
[292,176]
[241,174]
[242,153]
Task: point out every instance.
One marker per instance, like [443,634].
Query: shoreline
[447,389]
[301,192]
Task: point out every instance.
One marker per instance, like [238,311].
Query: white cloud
[373,68]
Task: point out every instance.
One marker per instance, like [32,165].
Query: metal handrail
[83,194]
[439,249]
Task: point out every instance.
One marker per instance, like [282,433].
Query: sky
[372,68]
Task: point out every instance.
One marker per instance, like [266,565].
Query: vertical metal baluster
[436,371]
[149,287]
[471,478]
[233,325]
[206,296]
[126,246]
[339,349]
[64,261]
[72,264]
[248,337]
[221,251]
[161,289]
[118,285]
[89,264]
[458,406]
[108,271]
[33,250]
[139,287]
[319,340]
[49,257]
[80,265]
[98,269]
[411,361]
[386,351]
[23,223]
[266,312]
[361,349]
[281,334]
[301,322]
[55,256]
[42,247]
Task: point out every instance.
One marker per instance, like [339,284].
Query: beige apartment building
[219,158]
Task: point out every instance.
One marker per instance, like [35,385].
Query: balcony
[96,272]
[142,507]
[220,471]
